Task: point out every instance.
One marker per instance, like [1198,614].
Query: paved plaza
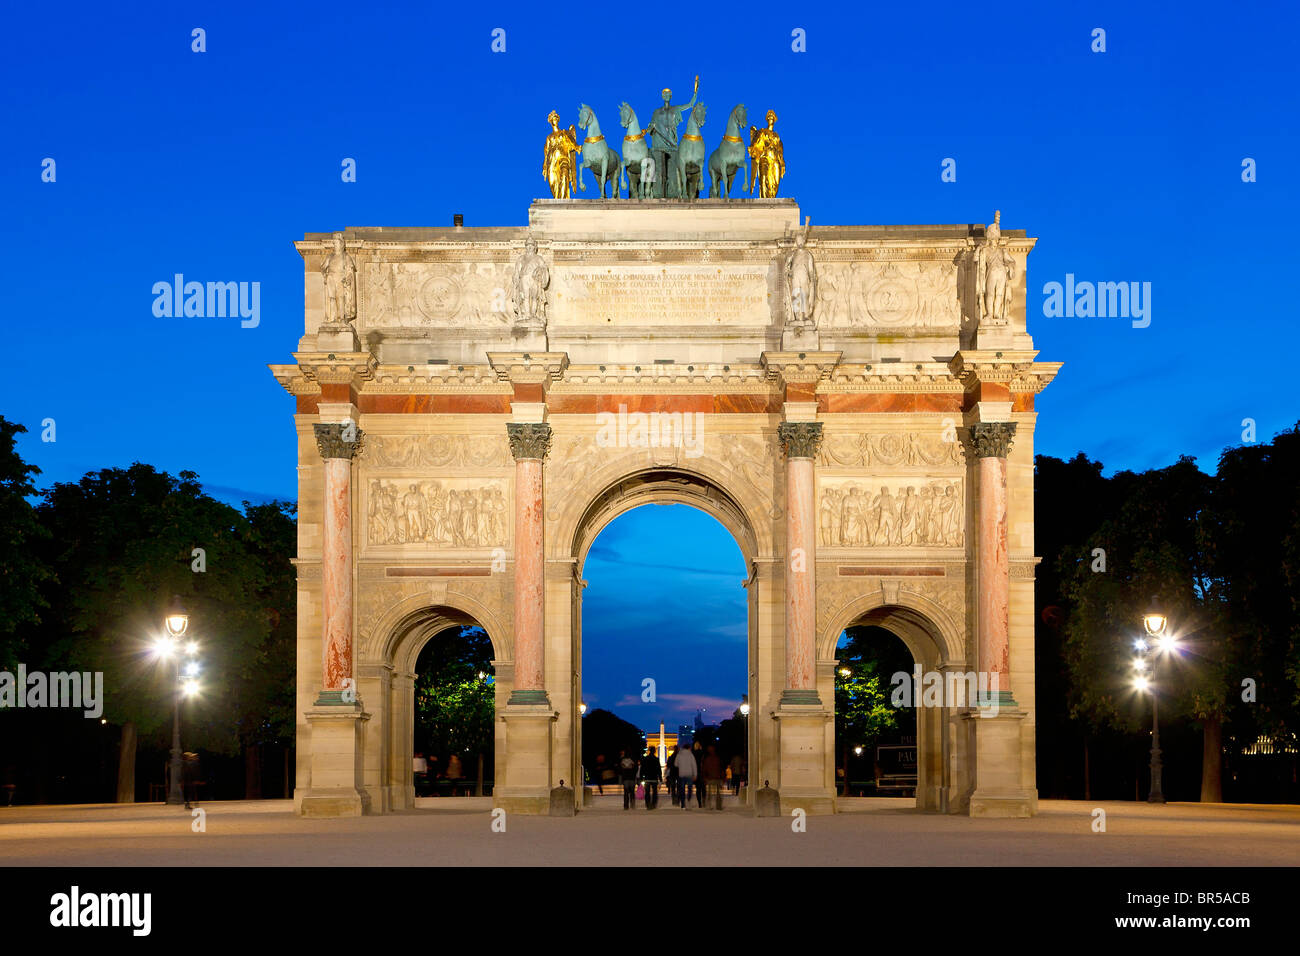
[458,832]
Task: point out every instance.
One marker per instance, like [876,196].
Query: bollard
[562,801]
[767,802]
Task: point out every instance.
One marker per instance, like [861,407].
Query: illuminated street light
[845,672]
[857,751]
[1156,624]
[582,708]
[177,621]
[1154,620]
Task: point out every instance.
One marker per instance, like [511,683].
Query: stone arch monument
[867,438]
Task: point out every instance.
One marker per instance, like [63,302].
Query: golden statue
[558,166]
[768,159]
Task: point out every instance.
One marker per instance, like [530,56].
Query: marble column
[529,443]
[338,444]
[800,441]
[992,442]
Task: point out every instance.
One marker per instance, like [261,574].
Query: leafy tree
[455,695]
[868,659]
[22,570]
[121,542]
[1155,547]
[1253,545]
[605,734]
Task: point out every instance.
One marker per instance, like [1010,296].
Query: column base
[801,751]
[336,788]
[996,753]
[527,787]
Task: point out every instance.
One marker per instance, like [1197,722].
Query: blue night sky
[1126,164]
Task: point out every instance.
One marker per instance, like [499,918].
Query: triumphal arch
[854,403]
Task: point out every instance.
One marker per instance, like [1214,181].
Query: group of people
[427,773]
[692,773]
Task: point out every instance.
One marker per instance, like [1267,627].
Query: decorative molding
[800,439]
[436,451]
[529,440]
[341,440]
[889,449]
[992,439]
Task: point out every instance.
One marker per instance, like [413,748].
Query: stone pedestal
[995,747]
[527,786]
[337,750]
[801,736]
[337,339]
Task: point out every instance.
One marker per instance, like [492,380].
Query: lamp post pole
[174,793]
[1155,623]
[1157,793]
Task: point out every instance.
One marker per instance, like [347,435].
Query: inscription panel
[660,295]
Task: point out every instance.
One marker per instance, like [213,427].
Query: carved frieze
[892,296]
[436,295]
[446,512]
[889,449]
[436,451]
[890,513]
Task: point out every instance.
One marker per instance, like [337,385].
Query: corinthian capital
[529,440]
[341,440]
[800,439]
[992,439]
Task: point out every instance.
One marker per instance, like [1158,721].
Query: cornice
[336,368]
[891,377]
[529,368]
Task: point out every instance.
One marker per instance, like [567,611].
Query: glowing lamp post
[177,622]
[1158,641]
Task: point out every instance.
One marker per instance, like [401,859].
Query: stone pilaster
[991,442]
[337,721]
[338,444]
[530,443]
[800,441]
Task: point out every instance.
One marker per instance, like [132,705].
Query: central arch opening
[662,642]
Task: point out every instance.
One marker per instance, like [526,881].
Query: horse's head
[697,115]
[626,117]
[739,116]
[585,116]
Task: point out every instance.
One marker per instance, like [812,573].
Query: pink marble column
[338,443]
[529,443]
[992,443]
[800,440]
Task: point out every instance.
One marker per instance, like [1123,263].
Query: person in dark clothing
[650,774]
[627,771]
[190,778]
[711,777]
[671,782]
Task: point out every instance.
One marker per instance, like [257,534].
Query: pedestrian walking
[711,777]
[697,752]
[737,767]
[650,773]
[686,771]
[627,771]
[670,783]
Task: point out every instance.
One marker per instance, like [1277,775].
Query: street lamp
[177,623]
[1156,623]
[582,708]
